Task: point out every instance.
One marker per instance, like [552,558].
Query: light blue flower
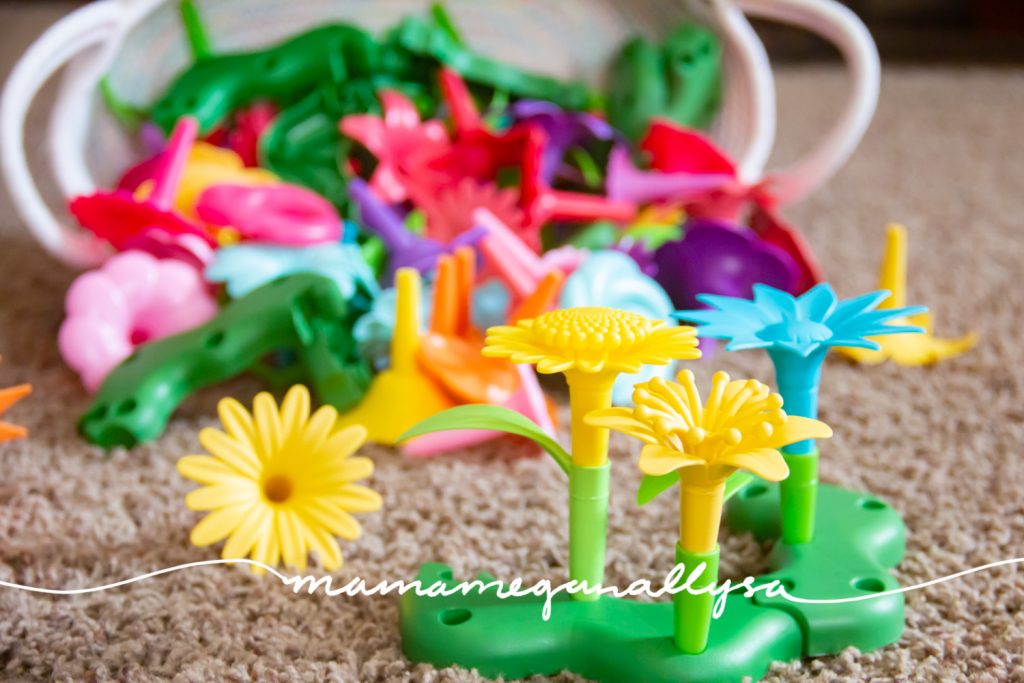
[246,267]
[802,325]
[612,278]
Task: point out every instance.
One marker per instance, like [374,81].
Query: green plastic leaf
[736,481]
[651,487]
[496,418]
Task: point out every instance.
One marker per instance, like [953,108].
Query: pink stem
[172,166]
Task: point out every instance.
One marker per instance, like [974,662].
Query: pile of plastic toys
[287,187]
[296,199]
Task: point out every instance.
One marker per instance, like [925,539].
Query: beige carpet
[942,444]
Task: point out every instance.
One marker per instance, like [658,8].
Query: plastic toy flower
[718,257]
[591,346]
[401,142]
[614,279]
[8,397]
[591,340]
[906,349]
[248,266]
[133,298]
[279,482]
[797,332]
[739,427]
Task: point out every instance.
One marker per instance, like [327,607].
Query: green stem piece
[691,613]
[588,521]
[195,29]
[128,115]
[799,497]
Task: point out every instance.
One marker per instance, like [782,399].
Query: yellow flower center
[592,328]
[277,488]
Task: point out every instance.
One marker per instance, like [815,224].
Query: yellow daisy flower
[592,339]
[279,483]
[741,426]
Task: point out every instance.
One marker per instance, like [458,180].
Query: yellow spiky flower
[279,483]
[741,426]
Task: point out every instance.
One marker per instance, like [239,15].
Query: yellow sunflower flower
[592,339]
[741,426]
[279,483]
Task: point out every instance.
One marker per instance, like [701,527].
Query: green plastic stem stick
[588,521]
[691,614]
[126,114]
[195,29]
[799,497]
[302,312]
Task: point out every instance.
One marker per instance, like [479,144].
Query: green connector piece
[608,640]
[302,314]
[693,613]
[858,540]
[588,522]
[679,80]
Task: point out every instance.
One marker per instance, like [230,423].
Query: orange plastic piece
[450,350]
[8,397]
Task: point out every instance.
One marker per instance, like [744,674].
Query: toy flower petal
[622,420]
[766,463]
[8,397]
[657,460]
[794,429]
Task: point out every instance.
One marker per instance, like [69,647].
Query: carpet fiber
[943,445]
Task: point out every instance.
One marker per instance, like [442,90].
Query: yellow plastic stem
[893,275]
[700,510]
[589,392]
[406,339]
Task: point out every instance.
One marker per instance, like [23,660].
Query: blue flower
[816,320]
[248,266]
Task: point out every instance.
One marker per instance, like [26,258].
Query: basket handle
[749,91]
[87,27]
[841,27]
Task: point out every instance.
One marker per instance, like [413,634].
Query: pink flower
[133,298]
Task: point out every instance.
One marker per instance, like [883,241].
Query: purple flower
[718,257]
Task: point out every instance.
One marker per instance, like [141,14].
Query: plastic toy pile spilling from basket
[405,226]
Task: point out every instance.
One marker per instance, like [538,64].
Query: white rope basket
[140,46]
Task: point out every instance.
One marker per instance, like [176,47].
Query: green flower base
[858,539]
